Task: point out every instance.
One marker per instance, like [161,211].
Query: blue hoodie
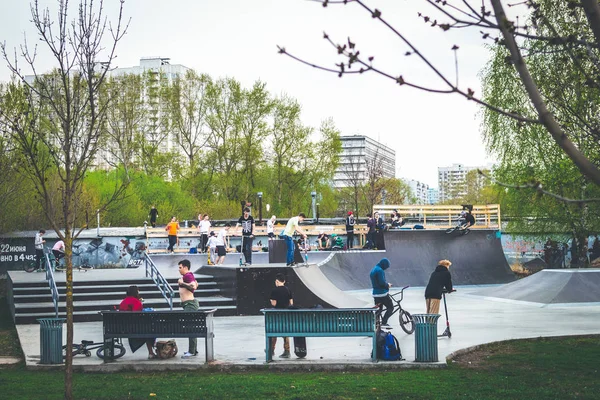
[380,285]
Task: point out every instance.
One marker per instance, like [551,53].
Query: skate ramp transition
[550,286]
[251,286]
[477,258]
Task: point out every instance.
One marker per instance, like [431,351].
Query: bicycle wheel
[119,351]
[74,350]
[466,231]
[450,230]
[29,266]
[406,322]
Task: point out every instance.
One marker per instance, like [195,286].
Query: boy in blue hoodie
[381,290]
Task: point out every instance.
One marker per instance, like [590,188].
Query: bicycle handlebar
[400,292]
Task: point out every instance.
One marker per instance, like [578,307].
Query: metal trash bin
[51,340]
[426,341]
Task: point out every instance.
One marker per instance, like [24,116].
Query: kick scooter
[447,332]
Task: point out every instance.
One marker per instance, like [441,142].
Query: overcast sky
[238,38]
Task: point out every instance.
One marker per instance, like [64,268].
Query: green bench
[158,324]
[339,322]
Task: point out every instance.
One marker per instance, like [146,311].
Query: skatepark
[489,305]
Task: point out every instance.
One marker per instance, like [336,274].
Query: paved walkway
[239,341]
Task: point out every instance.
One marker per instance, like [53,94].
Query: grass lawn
[555,368]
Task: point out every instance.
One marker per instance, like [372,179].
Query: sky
[239,38]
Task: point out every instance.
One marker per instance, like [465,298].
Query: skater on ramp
[288,233]
[381,289]
[439,281]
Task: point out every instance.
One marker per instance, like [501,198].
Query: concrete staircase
[32,300]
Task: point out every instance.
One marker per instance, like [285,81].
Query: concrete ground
[239,342]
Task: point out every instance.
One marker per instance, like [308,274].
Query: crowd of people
[375,224]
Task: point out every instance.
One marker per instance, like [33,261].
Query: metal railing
[435,216]
[51,281]
[161,283]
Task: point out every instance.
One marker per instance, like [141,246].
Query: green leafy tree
[125,120]
[255,107]
[188,110]
[290,154]
[224,157]
[528,157]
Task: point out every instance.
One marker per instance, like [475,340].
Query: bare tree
[353,171]
[491,22]
[56,118]
[374,181]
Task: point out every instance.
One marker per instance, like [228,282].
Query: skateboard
[300,347]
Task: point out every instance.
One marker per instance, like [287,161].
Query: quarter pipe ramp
[476,259]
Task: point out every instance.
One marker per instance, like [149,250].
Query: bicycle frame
[398,306]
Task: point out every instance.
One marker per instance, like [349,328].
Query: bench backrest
[326,321]
[157,323]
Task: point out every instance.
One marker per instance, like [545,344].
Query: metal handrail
[51,282]
[161,283]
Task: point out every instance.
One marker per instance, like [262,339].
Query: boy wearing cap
[350,230]
[439,280]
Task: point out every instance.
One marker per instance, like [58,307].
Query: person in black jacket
[439,280]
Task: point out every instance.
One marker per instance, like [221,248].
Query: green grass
[557,368]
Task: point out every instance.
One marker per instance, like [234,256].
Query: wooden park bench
[158,324]
[339,322]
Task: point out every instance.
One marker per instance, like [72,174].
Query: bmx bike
[404,317]
[460,226]
[86,347]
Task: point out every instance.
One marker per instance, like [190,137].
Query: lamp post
[317,213]
[383,194]
[314,203]
[98,220]
[260,207]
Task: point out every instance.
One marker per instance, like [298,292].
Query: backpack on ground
[388,348]
[166,349]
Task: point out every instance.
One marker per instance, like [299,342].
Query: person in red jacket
[133,302]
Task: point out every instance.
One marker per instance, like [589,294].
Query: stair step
[200,278]
[47,297]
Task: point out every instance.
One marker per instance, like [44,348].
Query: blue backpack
[387,347]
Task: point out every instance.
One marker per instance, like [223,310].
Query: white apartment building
[161,65]
[157,67]
[359,155]
[419,190]
[433,196]
[452,181]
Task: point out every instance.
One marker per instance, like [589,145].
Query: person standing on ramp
[439,281]
[350,222]
[381,289]
[288,233]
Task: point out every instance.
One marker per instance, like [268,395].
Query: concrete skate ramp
[315,281]
[477,258]
[551,286]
